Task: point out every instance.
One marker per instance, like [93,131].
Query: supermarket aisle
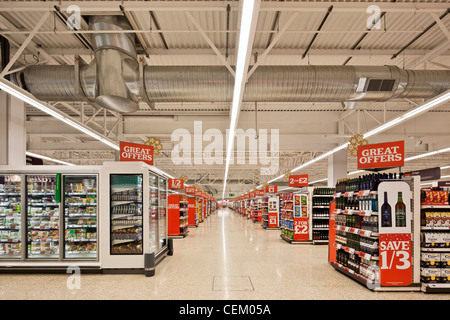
[226,257]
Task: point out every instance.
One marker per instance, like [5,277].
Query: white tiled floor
[226,257]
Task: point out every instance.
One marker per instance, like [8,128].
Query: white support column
[337,167]
[12,130]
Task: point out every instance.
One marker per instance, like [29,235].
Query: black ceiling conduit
[420,35]
[5,53]
[320,28]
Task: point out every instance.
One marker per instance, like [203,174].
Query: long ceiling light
[248,15]
[40,156]
[438,100]
[28,98]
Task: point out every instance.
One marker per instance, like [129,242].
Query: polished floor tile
[226,257]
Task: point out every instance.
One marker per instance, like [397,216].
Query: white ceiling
[179,33]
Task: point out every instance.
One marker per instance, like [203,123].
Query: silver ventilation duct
[114,81]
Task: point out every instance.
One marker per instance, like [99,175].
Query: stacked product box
[435,267]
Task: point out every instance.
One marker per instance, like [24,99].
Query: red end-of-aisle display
[177,213]
[192,217]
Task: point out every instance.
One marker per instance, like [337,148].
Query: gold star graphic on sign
[156,143]
[354,142]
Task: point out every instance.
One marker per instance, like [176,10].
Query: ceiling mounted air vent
[380,85]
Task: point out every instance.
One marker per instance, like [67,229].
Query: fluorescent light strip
[28,98]
[432,153]
[31,154]
[244,35]
[444,97]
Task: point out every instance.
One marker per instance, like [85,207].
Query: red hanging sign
[381,155]
[272,189]
[189,190]
[198,193]
[300,180]
[136,152]
[259,193]
[176,184]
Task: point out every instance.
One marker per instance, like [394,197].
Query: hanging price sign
[176,184]
[271,189]
[189,190]
[300,180]
[395,259]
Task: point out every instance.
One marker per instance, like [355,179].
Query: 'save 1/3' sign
[300,180]
[395,259]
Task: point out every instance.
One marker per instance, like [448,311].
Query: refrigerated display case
[135,200]
[126,214]
[48,217]
[10,216]
[80,216]
[153,211]
[43,217]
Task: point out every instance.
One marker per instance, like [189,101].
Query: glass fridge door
[153,212]
[80,216]
[162,212]
[10,217]
[126,214]
[42,217]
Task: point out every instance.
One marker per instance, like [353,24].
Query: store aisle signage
[189,190]
[395,242]
[136,152]
[426,174]
[381,155]
[271,189]
[300,180]
[259,193]
[176,183]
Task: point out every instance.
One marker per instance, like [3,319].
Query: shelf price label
[300,180]
[395,259]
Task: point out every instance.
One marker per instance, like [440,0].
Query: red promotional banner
[252,194]
[300,180]
[332,232]
[271,189]
[381,155]
[273,219]
[395,259]
[259,193]
[189,190]
[198,193]
[136,152]
[176,184]
[301,230]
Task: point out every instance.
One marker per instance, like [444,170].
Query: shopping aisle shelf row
[383,231]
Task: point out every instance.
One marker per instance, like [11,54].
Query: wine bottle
[386,215]
[400,212]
